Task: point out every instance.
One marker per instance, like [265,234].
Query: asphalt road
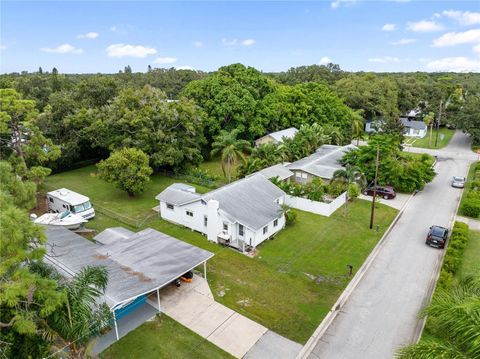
[381,313]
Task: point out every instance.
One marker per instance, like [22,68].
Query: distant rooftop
[324,162]
[416,125]
[280,135]
[278,170]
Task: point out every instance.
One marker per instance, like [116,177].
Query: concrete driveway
[194,306]
[381,313]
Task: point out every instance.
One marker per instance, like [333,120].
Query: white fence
[324,209]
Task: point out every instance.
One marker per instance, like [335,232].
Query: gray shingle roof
[250,201]
[324,162]
[138,264]
[177,194]
[278,170]
[113,234]
[416,125]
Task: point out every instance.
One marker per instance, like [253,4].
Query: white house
[276,137]
[242,214]
[322,164]
[414,128]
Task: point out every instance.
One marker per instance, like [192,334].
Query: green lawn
[468,185]
[471,256]
[296,277]
[431,159]
[163,338]
[214,168]
[425,142]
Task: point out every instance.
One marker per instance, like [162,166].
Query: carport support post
[205,270]
[158,299]
[115,322]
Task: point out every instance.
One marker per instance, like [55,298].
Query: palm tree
[429,119]
[454,324]
[349,175]
[231,150]
[81,317]
[358,123]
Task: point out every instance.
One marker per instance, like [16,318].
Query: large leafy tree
[468,118]
[231,149]
[26,298]
[169,132]
[396,168]
[19,133]
[231,98]
[128,169]
[454,322]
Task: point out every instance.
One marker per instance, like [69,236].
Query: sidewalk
[473,224]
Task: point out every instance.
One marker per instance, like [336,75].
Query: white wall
[178,215]
[324,209]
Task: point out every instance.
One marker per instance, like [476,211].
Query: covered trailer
[63,199]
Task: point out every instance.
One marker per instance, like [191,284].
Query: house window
[205,220]
[275,223]
[265,229]
[240,230]
[304,175]
[50,199]
[225,226]
[298,174]
[170,206]
[189,213]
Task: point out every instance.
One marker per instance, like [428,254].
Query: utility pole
[372,214]
[438,122]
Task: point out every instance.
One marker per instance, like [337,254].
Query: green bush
[471,207]
[473,194]
[445,280]
[475,185]
[353,191]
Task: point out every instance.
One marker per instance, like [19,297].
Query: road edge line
[342,299]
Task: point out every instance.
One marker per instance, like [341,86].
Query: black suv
[437,237]
[386,192]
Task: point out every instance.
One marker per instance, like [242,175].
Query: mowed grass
[444,132]
[85,181]
[471,256]
[295,278]
[166,339]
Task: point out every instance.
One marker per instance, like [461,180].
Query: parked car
[437,237]
[458,182]
[386,192]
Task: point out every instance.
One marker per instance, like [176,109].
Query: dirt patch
[42,205]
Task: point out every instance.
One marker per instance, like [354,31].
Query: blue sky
[79,37]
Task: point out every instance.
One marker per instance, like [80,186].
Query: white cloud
[229,42]
[424,59]
[88,35]
[424,26]
[125,50]
[248,42]
[165,60]
[454,64]
[335,4]
[389,27]
[62,49]
[325,60]
[458,38]
[464,18]
[113,28]
[185,68]
[198,44]
[476,49]
[402,42]
[384,59]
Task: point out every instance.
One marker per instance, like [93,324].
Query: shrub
[445,280]
[471,207]
[475,185]
[353,191]
[335,189]
[473,194]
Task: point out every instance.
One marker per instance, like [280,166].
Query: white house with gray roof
[322,164]
[414,128]
[276,137]
[241,214]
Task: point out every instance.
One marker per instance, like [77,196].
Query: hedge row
[471,203]
[454,255]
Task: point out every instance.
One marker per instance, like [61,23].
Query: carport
[137,263]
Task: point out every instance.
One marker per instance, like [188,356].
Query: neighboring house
[322,164]
[279,171]
[374,124]
[276,137]
[242,214]
[138,265]
[414,128]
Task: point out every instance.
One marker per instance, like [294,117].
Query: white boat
[65,219]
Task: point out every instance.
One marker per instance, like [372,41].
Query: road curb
[327,321]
